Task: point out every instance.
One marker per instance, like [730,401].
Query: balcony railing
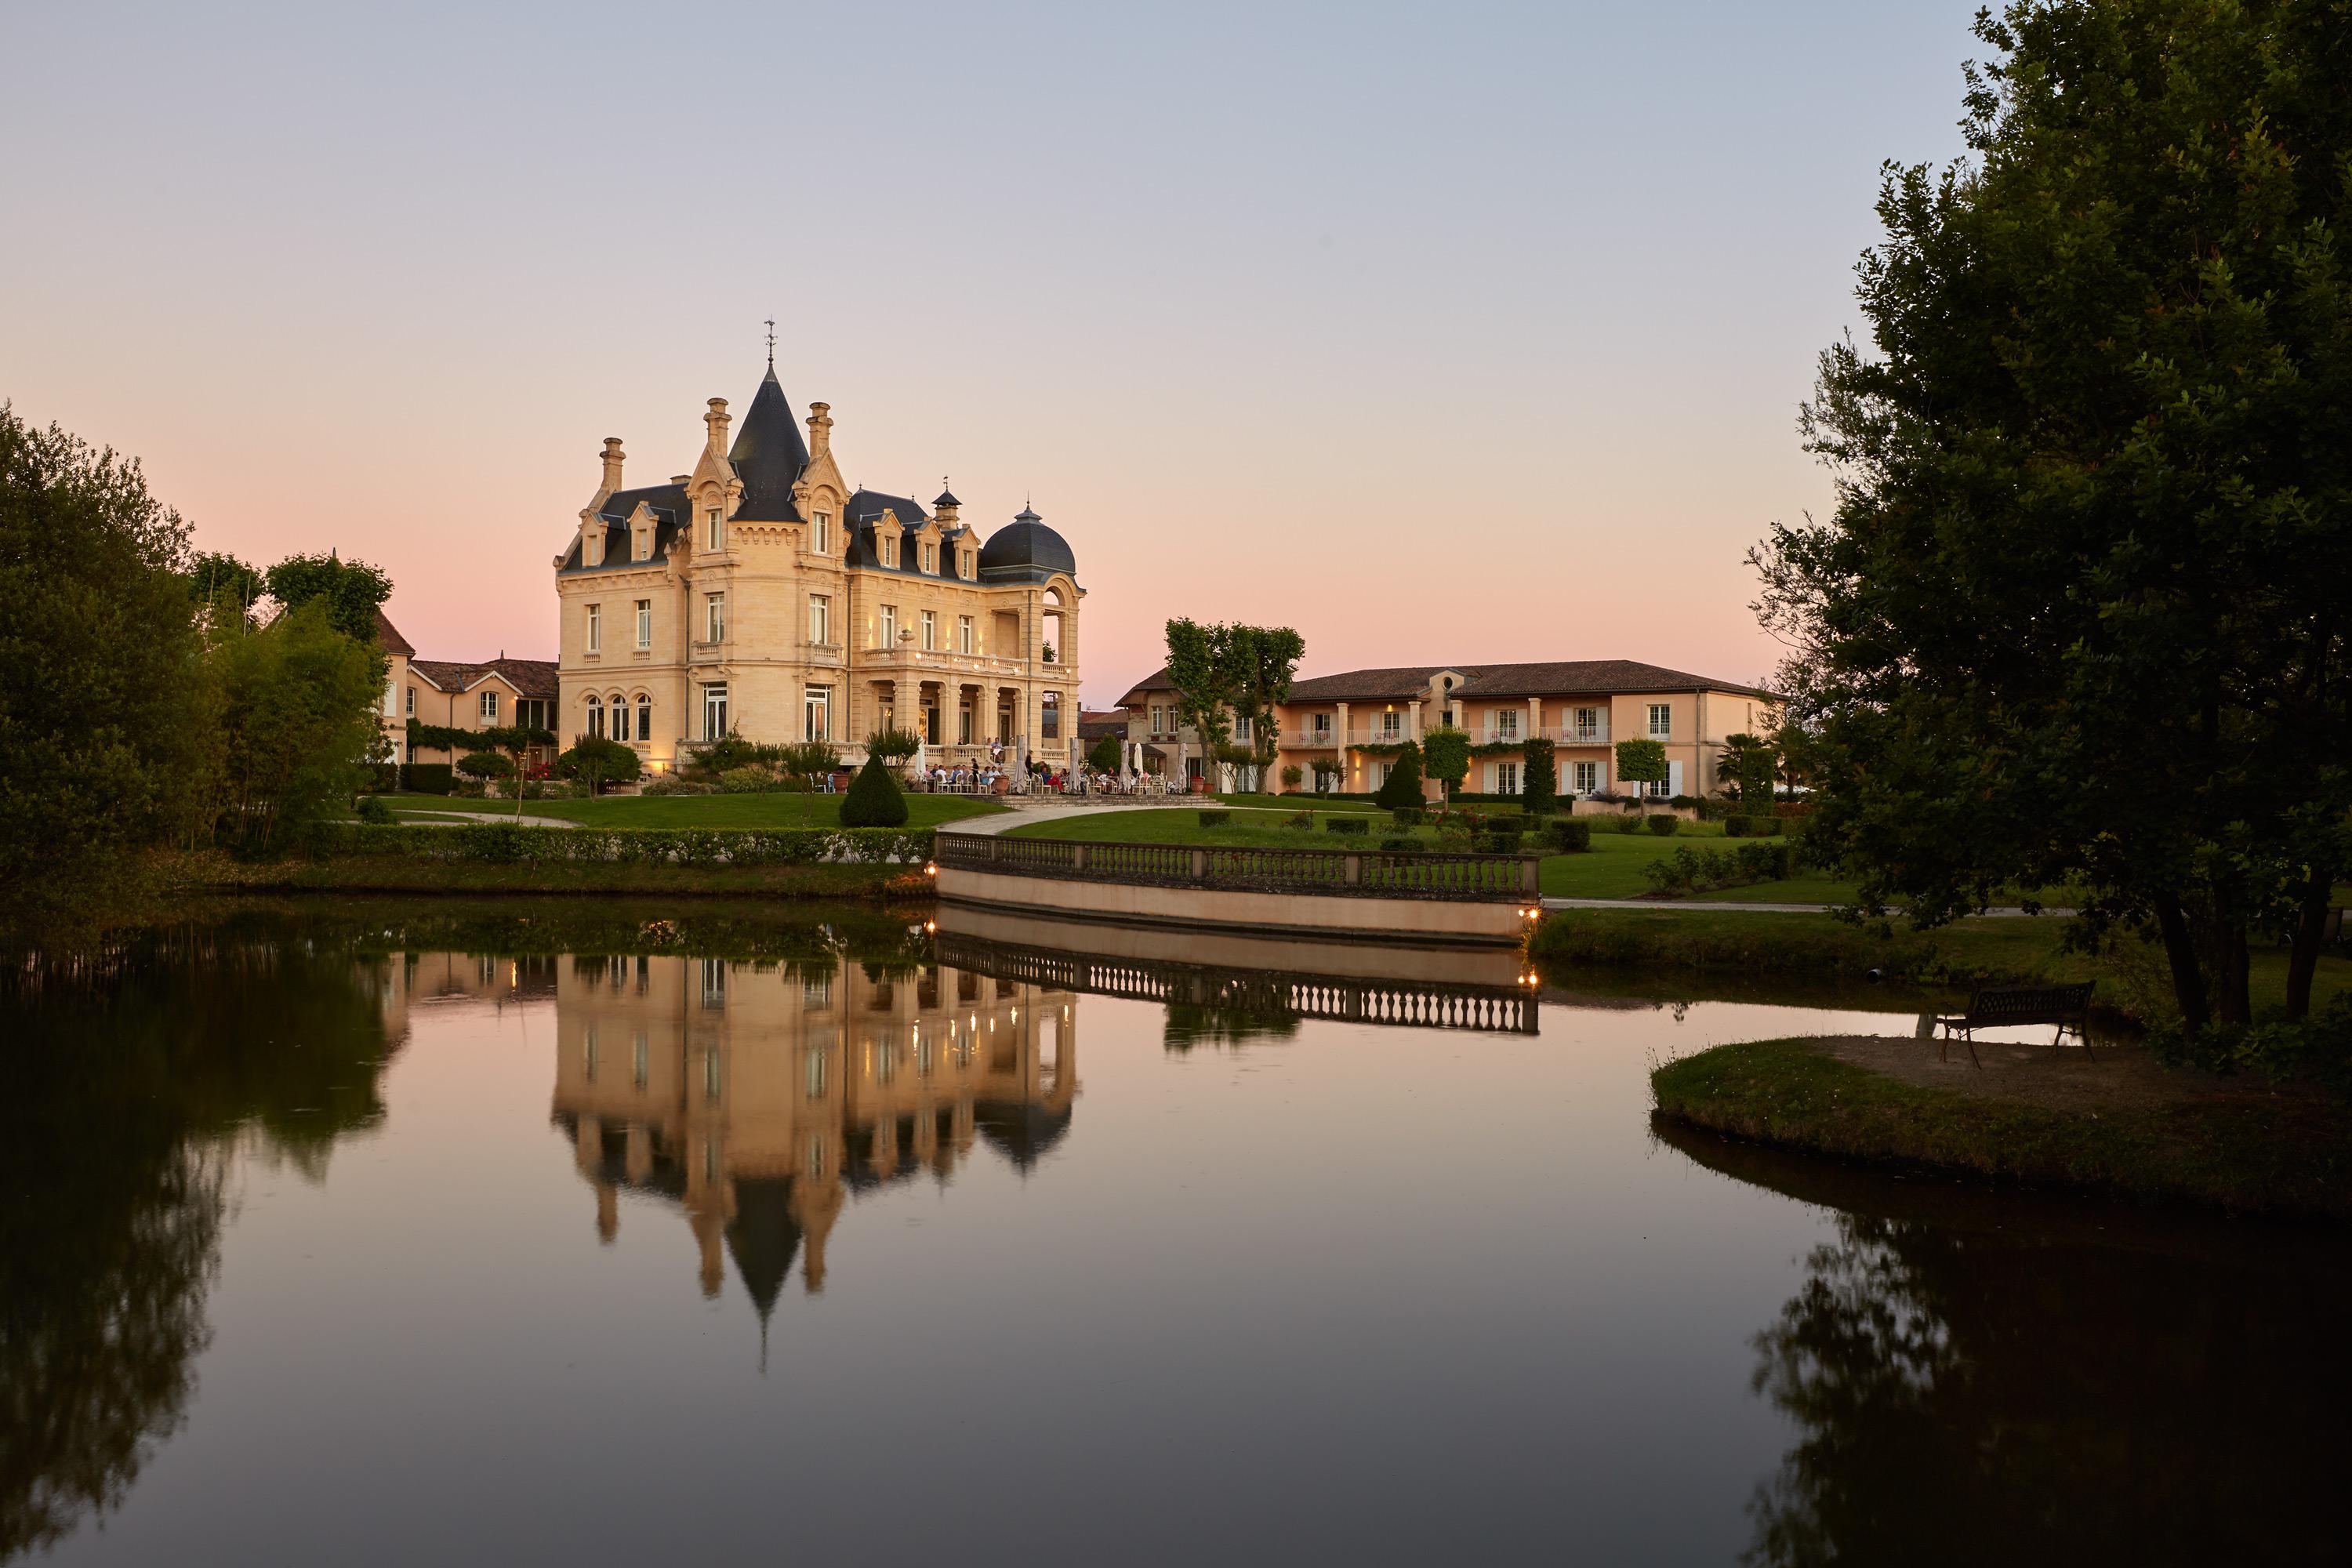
[1472,878]
[1310,738]
[1577,736]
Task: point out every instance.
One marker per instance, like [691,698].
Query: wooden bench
[1998,1007]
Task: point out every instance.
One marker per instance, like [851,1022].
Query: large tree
[106,717]
[2080,613]
[299,715]
[353,591]
[1228,673]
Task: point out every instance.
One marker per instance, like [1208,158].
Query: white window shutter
[1674,778]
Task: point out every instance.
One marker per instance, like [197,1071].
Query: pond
[390,1233]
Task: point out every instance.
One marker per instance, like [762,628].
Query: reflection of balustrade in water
[1416,1003]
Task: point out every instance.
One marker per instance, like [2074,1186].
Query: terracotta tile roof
[1156,682]
[1094,726]
[1350,685]
[1576,676]
[388,637]
[529,677]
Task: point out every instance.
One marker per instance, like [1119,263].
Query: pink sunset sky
[1442,333]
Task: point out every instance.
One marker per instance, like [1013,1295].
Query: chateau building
[763,595]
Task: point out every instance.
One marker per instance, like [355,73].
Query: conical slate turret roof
[769,455]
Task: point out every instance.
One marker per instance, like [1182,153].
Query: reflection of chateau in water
[756,1096]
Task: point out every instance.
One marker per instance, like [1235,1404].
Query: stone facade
[762,594]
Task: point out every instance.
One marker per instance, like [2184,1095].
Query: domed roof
[1025,550]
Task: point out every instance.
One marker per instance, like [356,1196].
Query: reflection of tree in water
[1191,1024]
[126,1085]
[1967,1397]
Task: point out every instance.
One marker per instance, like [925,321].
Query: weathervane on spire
[772,342]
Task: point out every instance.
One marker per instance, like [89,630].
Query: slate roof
[1025,551]
[529,677]
[668,503]
[388,637]
[769,455]
[865,508]
[1094,726]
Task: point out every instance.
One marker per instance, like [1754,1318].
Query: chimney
[819,424]
[717,419]
[613,455]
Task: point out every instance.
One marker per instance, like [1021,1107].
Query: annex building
[1343,730]
[762,594]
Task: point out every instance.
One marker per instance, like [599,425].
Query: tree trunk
[2310,926]
[2180,950]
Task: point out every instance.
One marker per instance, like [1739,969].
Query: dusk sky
[1454,333]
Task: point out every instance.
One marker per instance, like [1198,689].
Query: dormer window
[889,551]
[714,520]
[821,533]
[931,559]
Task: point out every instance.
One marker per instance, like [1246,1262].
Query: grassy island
[2117,1124]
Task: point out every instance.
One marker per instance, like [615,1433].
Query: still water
[532,1233]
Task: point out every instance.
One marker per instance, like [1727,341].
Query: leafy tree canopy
[107,721]
[1445,756]
[1223,672]
[2080,613]
[1641,762]
[1105,754]
[353,590]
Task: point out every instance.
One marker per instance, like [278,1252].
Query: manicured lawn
[1181,825]
[2243,1151]
[1287,803]
[778,810]
[1612,870]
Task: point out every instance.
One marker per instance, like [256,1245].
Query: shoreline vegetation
[499,858]
[2136,1131]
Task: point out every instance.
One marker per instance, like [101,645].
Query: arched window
[596,719]
[645,718]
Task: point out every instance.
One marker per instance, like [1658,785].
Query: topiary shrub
[1665,824]
[1409,815]
[484,766]
[372,809]
[1216,818]
[873,799]
[1401,845]
[1569,834]
[1353,822]
[1402,786]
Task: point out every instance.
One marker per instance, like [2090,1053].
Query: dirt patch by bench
[2115,1077]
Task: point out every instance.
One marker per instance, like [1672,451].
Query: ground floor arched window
[596,719]
[645,718]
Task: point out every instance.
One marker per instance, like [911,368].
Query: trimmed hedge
[1752,826]
[1355,823]
[1665,823]
[873,799]
[1569,834]
[427,778]
[1216,818]
[1409,815]
[508,843]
